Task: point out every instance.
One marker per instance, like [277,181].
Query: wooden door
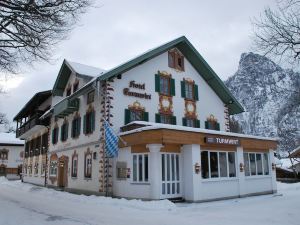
[61,168]
[62,180]
[2,171]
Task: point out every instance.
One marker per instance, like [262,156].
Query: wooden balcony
[33,124]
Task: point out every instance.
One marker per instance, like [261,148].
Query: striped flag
[111,141]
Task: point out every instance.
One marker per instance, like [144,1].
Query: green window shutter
[56,136]
[197,123]
[196,95]
[173,119]
[157,118]
[93,120]
[172,91]
[52,136]
[73,128]
[79,126]
[67,131]
[157,83]
[206,124]
[127,116]
[62,133]
[183,121]
[84,124]
[182,89]
[217,126]
[146,116]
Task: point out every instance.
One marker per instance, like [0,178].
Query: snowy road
[26,204]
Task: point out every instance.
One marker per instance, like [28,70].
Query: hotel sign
[222,141]
[132,84]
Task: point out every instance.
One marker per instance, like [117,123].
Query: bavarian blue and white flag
[111,141]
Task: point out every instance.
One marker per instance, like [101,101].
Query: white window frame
[53,169]
[219,172]
[137,168]
[263,166]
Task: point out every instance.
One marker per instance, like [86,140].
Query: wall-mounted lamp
[273,166]
[197,168]
[242,167]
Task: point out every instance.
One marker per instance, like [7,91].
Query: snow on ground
[28,204]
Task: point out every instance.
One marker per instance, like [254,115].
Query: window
[256,164]
[64,131]
[74,165]
[36,168]
[76,123]
[88,165]
[121,170]
[53,169]
[55,135]
[135,115]
[204,164]
[266,164]
[189,122]
[231,164]
[89,122]
[44,143]
[90,97]
[189,90]
[164,84]
[75,86]
[140,168]
[37,146]
[218,164]
[176,60]
[4,154]
[43,168]
[211,123]
[165,118]
[68,93]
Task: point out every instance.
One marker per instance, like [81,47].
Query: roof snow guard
[189,51]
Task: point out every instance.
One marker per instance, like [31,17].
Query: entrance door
[62,171]
[170,166]
[2,171]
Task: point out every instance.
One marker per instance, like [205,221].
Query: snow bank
[94,200]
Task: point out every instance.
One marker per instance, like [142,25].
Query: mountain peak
[266,92]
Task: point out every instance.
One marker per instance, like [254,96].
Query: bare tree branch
[30,28]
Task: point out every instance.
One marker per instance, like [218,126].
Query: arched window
[88,164]
[74,165]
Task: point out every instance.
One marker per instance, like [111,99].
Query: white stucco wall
[209,102]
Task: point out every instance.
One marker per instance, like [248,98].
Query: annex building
[171,111]
[11,156]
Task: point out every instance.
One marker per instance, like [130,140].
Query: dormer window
[176,60]
[69,91]
[75,86]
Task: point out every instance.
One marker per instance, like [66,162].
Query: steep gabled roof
[33,103]
[67,67]
[192,55]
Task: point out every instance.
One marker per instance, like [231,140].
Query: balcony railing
[33,121]
[66,107]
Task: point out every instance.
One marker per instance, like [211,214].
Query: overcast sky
[119,30]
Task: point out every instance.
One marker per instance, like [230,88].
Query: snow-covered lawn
[22,204]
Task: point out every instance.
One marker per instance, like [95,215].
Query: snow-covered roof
[284,163]
[10,138]
[85,69]
[155,126]
[296,152]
